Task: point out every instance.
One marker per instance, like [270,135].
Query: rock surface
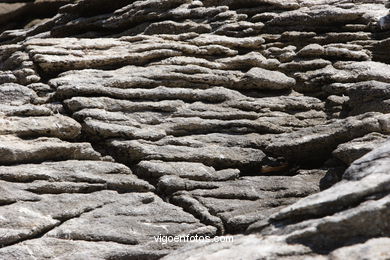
[353,211]
[263,120]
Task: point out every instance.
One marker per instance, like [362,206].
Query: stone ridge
[122,120]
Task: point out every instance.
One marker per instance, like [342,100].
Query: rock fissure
[121,121]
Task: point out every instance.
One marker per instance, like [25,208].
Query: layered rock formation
[125,120]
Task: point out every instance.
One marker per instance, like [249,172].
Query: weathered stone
[149,77]
[16,95]
[137,219]
[230,42]
[248,247]
[239,203]
[108,104]
[320,16]
[12,193]
[345,54]
[264,79]
[311,144]
[112,176]
[250,60]
[384,23]
[211,155]
[23,220]
[332,51]
[328,227]
[311,50]
[67,249]
[14,12]
[51,58]
[25,110]
[375,161]
[15,150]
[304,65]
[282,103]
[376,248]
[326,216]
[192,171]
[53,126]
[356,148]
[236,116]
[330,211]
[379,50]
[368,96]
[171,27]
[343,72]
[212,95]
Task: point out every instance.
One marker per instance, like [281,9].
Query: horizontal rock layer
[124,120]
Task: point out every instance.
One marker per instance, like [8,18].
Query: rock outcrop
[343,221]
[266,120]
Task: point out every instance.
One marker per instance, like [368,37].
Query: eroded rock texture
[125,120]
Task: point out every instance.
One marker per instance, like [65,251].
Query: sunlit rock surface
[267,120]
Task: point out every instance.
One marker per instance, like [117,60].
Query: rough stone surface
[376,248]
[267,120]
[349,152]
[353,211]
